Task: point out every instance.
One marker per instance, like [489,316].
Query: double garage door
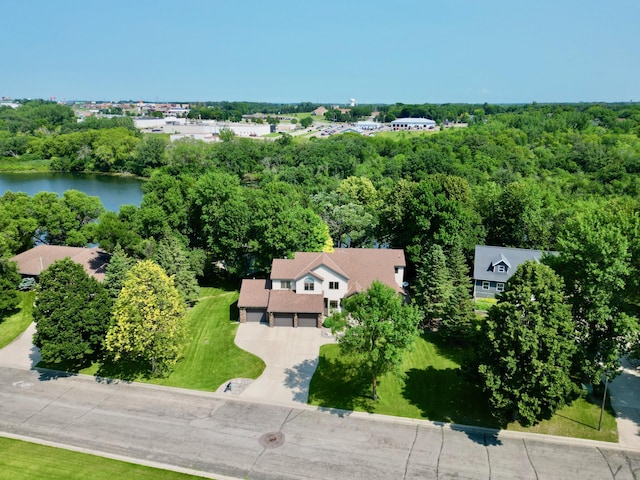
[286,320]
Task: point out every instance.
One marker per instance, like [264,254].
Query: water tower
[352,102]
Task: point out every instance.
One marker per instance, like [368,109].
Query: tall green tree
[433,285]
[526,347]
[595,263]
[119,265]
[172,256]
[458,316]
[9,280]
[71,313]
[148,322]
[381,328]
[221,218]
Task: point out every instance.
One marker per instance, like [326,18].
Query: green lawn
[211,357]
[434,388]
[13,325]
[8,164]
[25,461]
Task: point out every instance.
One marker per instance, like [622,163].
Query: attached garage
[308,320]
[283,319]
[256,315]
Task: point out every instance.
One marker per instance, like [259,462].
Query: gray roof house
[302,290]
[493,266]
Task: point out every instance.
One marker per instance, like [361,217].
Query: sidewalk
[624,391]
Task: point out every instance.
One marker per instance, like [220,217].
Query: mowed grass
[26,461]
[211,356]
[16,323]
[432,386]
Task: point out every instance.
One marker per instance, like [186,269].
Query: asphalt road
[214,433]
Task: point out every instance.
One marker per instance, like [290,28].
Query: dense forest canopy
[545,176]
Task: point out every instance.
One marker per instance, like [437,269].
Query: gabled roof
[487,257]
[360,266]
[254,293]
[34,261]
[288,301]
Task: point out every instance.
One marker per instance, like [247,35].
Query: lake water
[113,191]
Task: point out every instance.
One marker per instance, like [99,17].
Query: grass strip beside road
[26,461]
[13,325]
[431,386]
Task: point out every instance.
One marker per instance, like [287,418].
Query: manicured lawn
[211,357]
[434,388]
[13,325]
[25,461]
[484,304]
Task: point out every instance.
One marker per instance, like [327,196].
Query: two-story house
[305,289]
[493,266]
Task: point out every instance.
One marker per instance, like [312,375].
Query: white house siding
[337,295]
[399,276]
[317,285]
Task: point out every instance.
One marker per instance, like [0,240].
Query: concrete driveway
[21,353]
[291,356]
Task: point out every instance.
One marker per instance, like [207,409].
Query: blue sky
[411,51]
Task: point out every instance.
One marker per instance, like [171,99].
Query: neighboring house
[305,289]
[493,266]
[32,262]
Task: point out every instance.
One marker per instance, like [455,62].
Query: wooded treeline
[553,177]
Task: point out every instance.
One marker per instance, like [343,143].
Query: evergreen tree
[433,285]
[119,265]
[171,255]
[457,321]
[71,313]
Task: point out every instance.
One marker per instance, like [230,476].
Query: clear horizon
[325,52]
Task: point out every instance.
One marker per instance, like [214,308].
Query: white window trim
[486,285]
[500,287]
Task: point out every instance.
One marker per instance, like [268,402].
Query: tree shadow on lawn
[122,370]
[444,395]
[339,386]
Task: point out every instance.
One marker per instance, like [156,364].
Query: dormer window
[285,284]
[309,285]
[501,268]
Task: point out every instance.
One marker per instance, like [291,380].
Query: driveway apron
[21,353]
[291,358]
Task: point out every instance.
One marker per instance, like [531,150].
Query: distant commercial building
[413,124]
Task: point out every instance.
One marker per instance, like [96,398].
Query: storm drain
[272,440]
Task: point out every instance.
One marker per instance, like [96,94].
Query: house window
[485,285]
[500,287]
[396,269]
[333,305]
[501,268]
[285,284]
[309,285]
[333,286]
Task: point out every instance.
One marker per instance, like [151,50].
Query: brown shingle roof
[361,266]
[254,293]
[287,301]
[34,261]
